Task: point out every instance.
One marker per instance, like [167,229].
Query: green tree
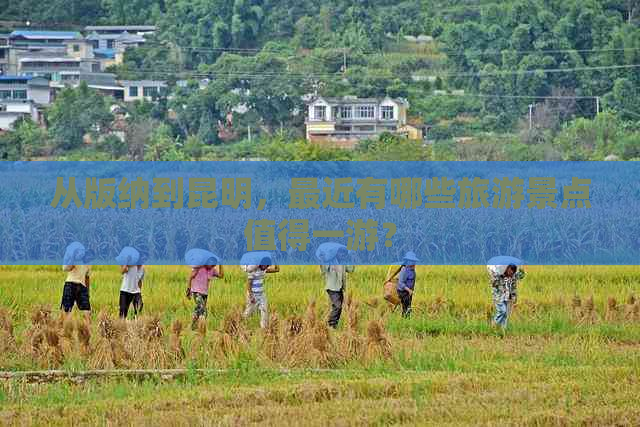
[112,145]
[246,22]
[130,12]
[584,139]
[623,100]
[193,147]
[77,112]
[196,111]
[163,146]
[260,83]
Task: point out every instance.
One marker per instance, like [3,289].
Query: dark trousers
[405,299]
[336,298]
[126,299]
[75,293]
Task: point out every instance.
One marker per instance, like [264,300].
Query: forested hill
[559,59]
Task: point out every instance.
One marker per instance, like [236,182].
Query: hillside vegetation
[472,72]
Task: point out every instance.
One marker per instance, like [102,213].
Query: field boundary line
[168,374]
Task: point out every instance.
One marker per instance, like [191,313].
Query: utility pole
[530,116]
[597,105]
[344,60]
[249,132]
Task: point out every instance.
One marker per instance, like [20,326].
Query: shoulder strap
[394,274]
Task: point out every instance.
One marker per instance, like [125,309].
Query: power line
[149,45]
[541,51]
[491,96]
[252,74]
[628,112]
[542,70]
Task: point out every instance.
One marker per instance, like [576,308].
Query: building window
[365,112]
[20,94]
[95,44]
[346,112]
[2,53]
[133,91]
[5,94]
[367,128]
[110,44]
[76,48]
[150,91]
[387,112]
[320,112]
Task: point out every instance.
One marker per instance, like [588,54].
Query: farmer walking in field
[205,266]
[256,298]
[131,289]
[504,274]
[132,278]
[334,256]
[198,289]
[76,286]
[407,282]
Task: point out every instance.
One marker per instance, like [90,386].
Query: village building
[23,88]
[138,90]
[45,53]
[13,110]
[4,53]
[346,121]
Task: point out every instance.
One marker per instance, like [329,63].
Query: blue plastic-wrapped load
[252,259]
[197,257]
[498,264]
[327,252]
[128,256]
[74,254]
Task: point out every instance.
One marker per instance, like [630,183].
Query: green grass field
[571,354]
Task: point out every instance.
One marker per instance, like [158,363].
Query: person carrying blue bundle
[334,256]
[77,283]
[205,266]
[504,274]
[132,278]
[407,282]
[256,297]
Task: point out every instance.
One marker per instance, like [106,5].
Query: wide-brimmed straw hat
[410,256]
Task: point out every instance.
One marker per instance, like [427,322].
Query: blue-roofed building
[109,47]
[119,29]
[22,96]
[29,44]
[115,41]
[25,88]
[44,36]
[37,55]
[105,53]
[30,39]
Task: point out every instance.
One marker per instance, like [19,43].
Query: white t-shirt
[256,276]
[131,278]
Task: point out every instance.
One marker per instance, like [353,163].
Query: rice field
[571,354]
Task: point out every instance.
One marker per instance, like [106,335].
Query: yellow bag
[391,293]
